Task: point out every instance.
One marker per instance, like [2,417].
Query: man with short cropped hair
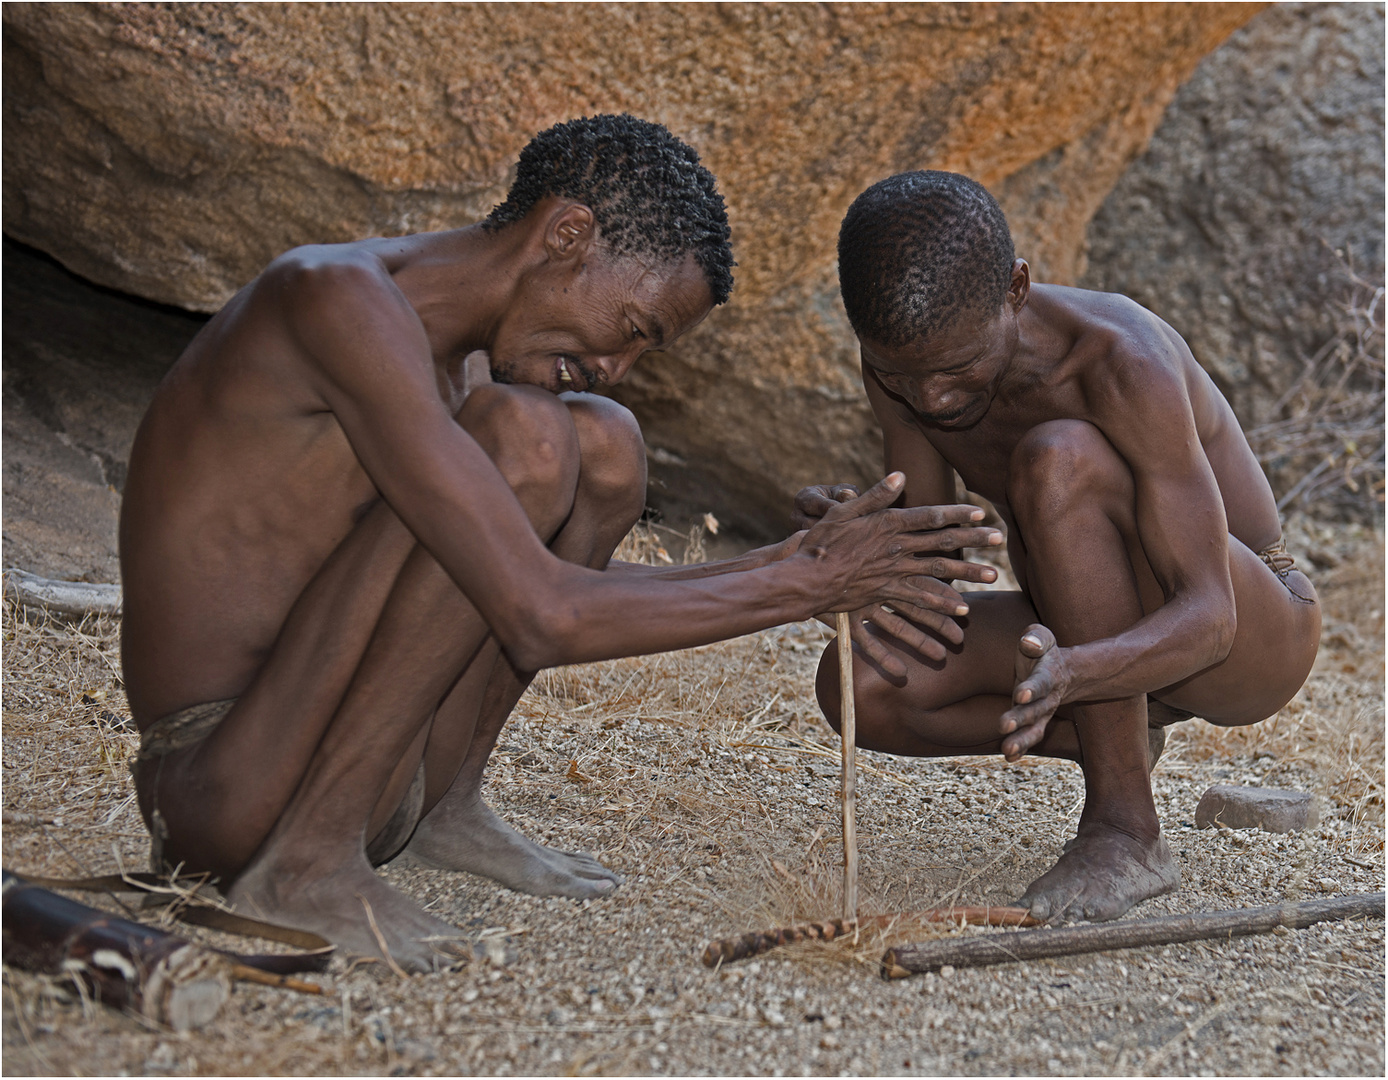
[1145,538]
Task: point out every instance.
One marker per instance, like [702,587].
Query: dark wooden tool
[129,965]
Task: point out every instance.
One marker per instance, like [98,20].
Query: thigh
[1275,643]
[940,707]
[982,664]
[226,793]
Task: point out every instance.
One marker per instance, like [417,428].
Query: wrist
[811,581]
[787,547]
[1072,678]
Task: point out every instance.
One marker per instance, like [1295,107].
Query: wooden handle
[847,732]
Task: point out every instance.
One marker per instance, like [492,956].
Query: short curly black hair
[917,251]
[646,188]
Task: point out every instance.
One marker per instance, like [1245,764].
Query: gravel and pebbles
[708,779]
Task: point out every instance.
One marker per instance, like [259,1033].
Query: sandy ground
[709,780]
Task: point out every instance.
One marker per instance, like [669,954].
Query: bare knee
[1062,464]
[530,437]
[881,708]
[613,453]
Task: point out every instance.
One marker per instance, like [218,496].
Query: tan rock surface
[172,151]
[1263,182]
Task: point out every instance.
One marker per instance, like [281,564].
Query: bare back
[242,481]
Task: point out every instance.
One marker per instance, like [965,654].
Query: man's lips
[949,419]
[570,376]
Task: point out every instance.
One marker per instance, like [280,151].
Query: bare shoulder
[331,308]
[1126,357]
[328,282]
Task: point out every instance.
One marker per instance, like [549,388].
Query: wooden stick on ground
[1168,930]
[72,598]
[726,950]
[848,735]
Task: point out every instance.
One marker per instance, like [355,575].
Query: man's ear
[570,232]
[1019,288]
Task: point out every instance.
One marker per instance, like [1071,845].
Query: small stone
[1274,810]
[829,1042]
[497,952]
[832,1023]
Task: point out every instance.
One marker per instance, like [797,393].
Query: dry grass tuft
[68,744]
[1326,451]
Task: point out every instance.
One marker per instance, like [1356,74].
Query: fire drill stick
[847,724]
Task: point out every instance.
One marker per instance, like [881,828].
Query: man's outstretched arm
[372,366]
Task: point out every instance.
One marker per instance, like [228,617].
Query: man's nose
[936,400]
[614,368]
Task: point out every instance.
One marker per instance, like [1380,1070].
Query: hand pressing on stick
[920,622]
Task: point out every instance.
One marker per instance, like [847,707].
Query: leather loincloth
[168,735]
[191,726]
[183,729]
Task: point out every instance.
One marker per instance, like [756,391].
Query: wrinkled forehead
[674,293]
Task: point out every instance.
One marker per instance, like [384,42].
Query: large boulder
[1259,195]
[172,150]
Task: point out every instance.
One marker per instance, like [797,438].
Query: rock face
[81,364]
[171,151]
[1268,163]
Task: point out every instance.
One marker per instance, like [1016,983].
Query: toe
[1105,908]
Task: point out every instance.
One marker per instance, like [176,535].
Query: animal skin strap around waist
[1282,564]
[1277,559]
[185,728]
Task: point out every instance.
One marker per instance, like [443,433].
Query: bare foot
[1101,874]
[352,908]
[471,837]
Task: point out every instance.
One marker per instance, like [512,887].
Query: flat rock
[1274,810]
